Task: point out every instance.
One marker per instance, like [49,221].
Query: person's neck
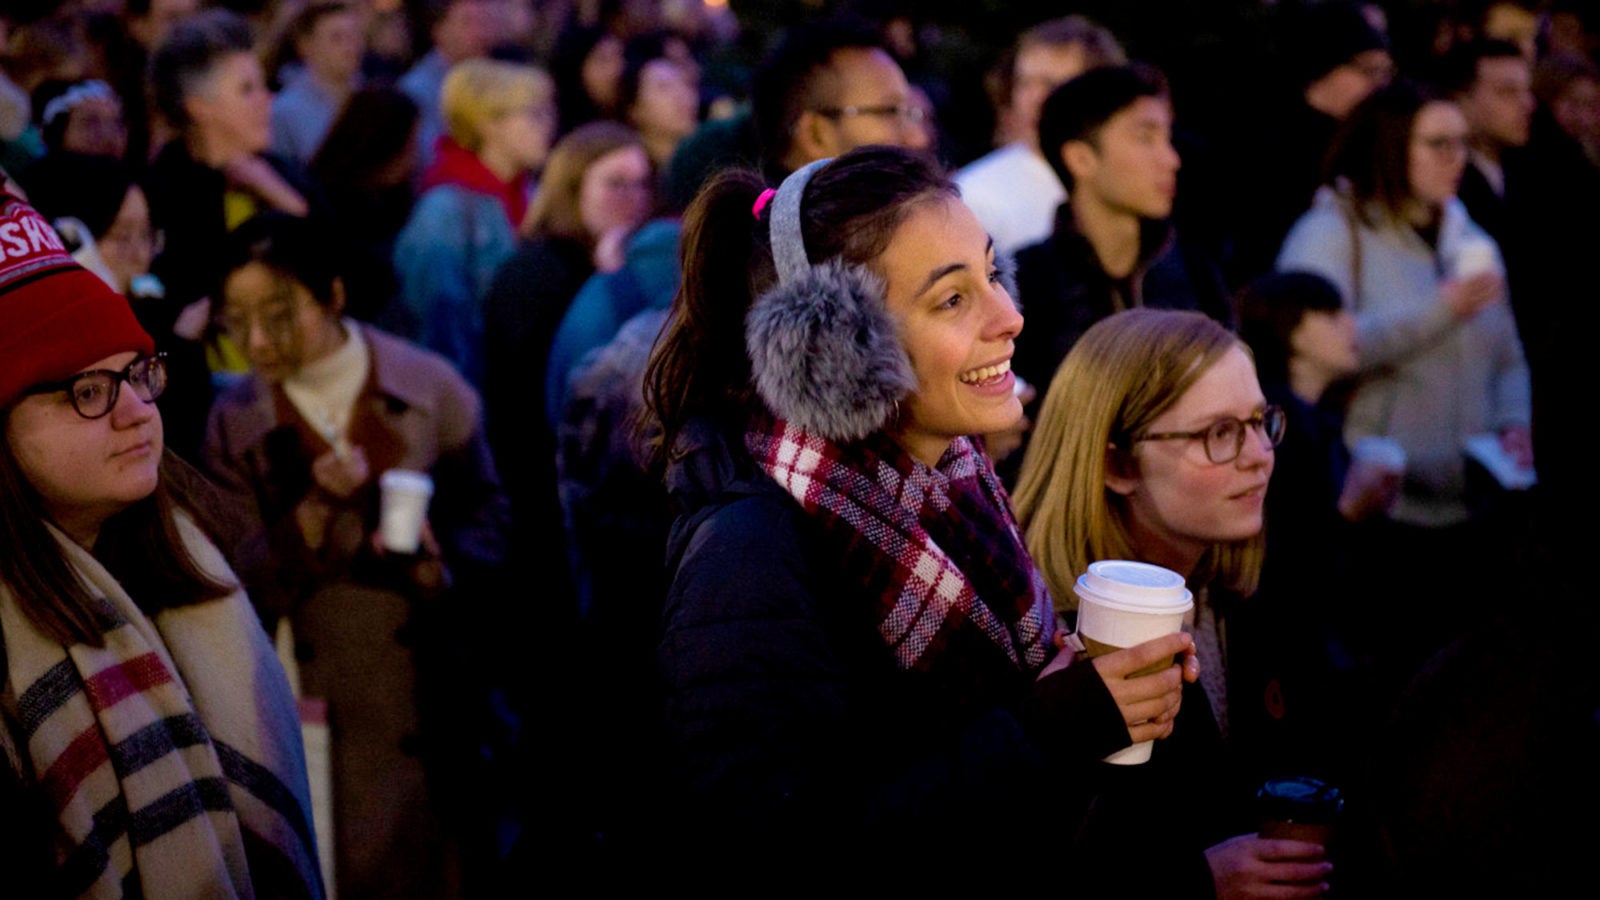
[339,86]
[213,152]
[83,528]
[1307,381]
[1182,557]
[1324,99]
[501,165]
[660,147]
[1113,234]
[1421,215]
[1486,149]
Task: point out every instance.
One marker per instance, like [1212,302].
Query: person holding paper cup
[1441,361]
[1155,444]
[364,458]
[861,660]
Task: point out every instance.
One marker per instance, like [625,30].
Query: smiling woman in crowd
[860,656]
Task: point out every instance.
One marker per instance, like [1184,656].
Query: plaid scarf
[937,547]
[171,756]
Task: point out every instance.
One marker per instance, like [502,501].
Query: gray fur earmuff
[824,352]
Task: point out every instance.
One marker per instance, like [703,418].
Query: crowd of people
[775,391]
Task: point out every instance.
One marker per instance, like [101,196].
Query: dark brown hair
[849,211]
[1372,152]
[140,546]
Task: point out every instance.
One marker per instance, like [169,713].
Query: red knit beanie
[56,317]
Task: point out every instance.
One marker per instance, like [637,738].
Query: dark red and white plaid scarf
[171,757]
[938,547]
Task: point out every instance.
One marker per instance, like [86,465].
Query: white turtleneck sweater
[324,391]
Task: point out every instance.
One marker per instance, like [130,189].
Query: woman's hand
[1369,490]
[1466,297]
[341,475]
[1251,866]
[1149,703]
[1517,442]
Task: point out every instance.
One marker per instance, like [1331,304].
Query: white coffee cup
[1122,604]
[403,509]
[1474,256]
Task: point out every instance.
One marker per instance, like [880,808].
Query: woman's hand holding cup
[1147,685]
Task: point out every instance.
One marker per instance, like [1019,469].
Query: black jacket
[1064,290]
[804,746]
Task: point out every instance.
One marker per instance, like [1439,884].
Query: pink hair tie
[761,203]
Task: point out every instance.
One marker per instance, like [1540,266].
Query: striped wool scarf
[171,756]
[938,546]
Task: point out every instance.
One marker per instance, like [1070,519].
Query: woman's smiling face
[1179,502]
[957,323]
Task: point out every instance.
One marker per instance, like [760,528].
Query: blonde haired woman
[500,118]
[1155,443]
[1077,494]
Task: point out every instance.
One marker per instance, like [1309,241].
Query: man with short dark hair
[1012,190]
[1493,83]
[827,88]
[1108,136]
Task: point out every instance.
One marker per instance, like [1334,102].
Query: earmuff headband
[788,242]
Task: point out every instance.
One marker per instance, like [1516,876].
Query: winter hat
[56,317]
[824,352]
[1330,35]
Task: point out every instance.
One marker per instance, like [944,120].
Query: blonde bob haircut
[478,91]
[1120,376]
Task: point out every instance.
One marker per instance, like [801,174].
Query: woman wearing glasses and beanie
[151,741]
[1155,443]
[860,658]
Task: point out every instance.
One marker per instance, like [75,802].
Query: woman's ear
[1122,471]
[337,297]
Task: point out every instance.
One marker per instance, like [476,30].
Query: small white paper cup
[404,507]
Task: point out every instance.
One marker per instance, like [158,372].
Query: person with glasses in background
[301,444]
[1155,443]
[1440,357]
[149,741]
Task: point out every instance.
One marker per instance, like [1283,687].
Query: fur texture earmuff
[825,353]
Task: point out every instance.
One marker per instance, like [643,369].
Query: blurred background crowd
[442,235]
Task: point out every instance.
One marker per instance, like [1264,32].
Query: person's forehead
[1143,112]
[1503,70]
[1056,62]
[867,75]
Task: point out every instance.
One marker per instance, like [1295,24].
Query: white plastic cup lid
[1134,587]
[406,480]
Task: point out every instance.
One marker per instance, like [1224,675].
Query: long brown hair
[1121,375]
[140,546]
[555,210]
[850,211]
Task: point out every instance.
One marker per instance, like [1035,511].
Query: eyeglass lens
[1224,441]
[95,393]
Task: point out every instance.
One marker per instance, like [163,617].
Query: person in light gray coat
[1440,355]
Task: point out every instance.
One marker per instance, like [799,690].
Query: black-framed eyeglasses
[94,393]
[1224,438]
[910,115]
